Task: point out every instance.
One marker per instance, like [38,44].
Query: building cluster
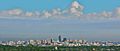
[60,42]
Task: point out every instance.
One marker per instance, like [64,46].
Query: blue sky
[32,5]
[43,29]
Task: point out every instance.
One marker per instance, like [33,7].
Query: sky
[18,20]
[31,5]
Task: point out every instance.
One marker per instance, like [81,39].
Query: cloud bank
[74,12]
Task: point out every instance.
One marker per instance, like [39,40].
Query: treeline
[59,48]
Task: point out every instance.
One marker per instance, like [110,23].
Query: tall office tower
[59,38]
[64,39]
[51,40]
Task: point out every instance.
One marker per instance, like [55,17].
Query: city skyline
[75,19]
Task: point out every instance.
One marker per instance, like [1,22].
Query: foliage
[59,48]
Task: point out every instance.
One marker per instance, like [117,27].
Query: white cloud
[46,14]
[74,12]
[117,11]
[29,14]
[15,12]
[76,9]
[56,11]
[76,5]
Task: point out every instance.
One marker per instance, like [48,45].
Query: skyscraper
[59,38]
[64,39]
[51,40]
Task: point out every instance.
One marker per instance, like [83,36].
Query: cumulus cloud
[56,11]
[13,12]
[46,14]
[75,11]
[76,5]
[117,11]
[76,8]
[29,14]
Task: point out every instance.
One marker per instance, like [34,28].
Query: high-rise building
[64,39]
[51,40]
[59,38]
